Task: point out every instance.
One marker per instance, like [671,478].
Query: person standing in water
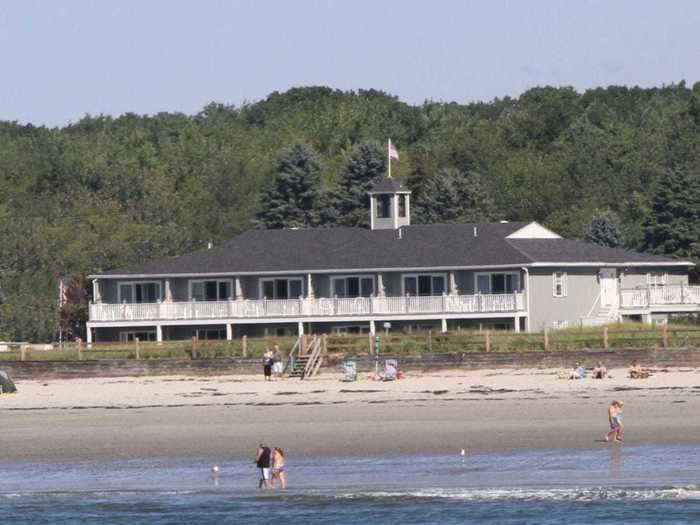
[615,420]
[262,461]
[279,471]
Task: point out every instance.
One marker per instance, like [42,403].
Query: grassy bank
[615,336]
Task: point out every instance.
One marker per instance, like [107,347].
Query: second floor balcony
[508,303]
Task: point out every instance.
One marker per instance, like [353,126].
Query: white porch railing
[667,295]
[308,307]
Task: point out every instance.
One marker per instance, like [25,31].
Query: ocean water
[610,484]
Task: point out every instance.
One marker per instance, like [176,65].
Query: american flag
[393,152]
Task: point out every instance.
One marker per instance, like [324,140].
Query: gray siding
[582,292]
[637,277]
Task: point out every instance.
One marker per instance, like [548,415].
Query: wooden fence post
[371,344]
[605,338]
[22,352]
[244,346]
[80,349]
[487,341]
[664,335]
[430,341]
[138,352]
[324,341]
[546,339]
[193,354]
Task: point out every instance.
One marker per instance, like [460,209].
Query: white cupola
[389,205]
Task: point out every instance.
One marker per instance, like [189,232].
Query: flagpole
[388,155]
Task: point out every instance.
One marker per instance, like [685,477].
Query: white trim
[261,284]
[384,269]
[358,276]
[476,280]
[438,274]
[217,281]
[133,291]
[609,264]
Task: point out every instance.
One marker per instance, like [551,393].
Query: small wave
[690,492]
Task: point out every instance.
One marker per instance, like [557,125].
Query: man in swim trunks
[615,420]
[262,461]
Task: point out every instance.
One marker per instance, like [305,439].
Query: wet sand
[225,417]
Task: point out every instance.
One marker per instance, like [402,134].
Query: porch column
[309,287]
[301,328]
[88,334]
[229,331]
[159,333]
[96,295]
[443,326]
[372,327]
[516,323]
[238,289]
[453,284]
[168,292]
[381,292]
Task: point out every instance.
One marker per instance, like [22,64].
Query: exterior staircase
[305,358]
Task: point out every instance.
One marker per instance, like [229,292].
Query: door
[608,288]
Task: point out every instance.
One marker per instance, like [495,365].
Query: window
[424,284]
[281,288]
[383,206]
[204,334]
[129,337]
[497,282]
[216,290]
[353,286]
[402,205]
[145,292]
[657,279]
[559,284]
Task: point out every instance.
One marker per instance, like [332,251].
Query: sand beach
[427,413]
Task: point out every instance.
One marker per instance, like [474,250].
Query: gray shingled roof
[420,246]
[388,185]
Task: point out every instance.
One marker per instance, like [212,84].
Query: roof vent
[503,222]
[476,234]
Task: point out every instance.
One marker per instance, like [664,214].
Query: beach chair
[391,367]
[350,371]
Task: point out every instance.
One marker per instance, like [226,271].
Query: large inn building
[509,275]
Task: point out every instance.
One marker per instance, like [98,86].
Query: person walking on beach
[279,471]
[262,461]
[615,420]
[268,358]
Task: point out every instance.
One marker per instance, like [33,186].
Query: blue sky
[61,60]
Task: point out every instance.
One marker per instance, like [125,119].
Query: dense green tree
[673,225]
[604,230]
[451,196]
[349,204]
[293,199]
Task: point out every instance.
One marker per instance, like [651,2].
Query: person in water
[262,461]
[279,471]
[615,420]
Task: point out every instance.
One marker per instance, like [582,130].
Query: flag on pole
[393,152]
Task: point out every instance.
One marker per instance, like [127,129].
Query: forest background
[618,166]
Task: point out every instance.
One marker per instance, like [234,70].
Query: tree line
[618,166]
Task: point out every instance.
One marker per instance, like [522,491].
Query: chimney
[400,234]
[476,234]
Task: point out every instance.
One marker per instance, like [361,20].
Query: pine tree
[673,225]
[349,204]
[604,230]
[450,196]
[293,200]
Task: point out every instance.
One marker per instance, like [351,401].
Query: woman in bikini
[279,472]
